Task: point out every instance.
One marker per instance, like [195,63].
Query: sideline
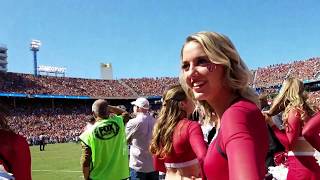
[47,170]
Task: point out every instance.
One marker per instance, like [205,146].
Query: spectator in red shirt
[14,152]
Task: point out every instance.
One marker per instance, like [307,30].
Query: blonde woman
[177,143]
[296,112]
[218,78]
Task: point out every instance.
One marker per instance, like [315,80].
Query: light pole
[34,46]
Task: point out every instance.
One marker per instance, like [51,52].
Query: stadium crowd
[64,123]
[48,85]
[266,78]
[229,106]
[57,125]
[150,86]
[275,74]
[314,98]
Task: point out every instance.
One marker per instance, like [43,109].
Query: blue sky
[142,38]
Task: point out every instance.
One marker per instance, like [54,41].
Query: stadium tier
[59,106]
[307,70]
[61,87]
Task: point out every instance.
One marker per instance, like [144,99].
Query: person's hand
[267,118]
[195,178]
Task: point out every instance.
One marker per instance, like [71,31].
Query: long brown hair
[169,116]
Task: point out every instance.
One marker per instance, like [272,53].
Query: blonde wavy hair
[291,96]
[169,116]
[220,50]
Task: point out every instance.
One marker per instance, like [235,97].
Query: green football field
[57,162]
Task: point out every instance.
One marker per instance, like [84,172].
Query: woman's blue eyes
[203,61]
[185,66]
[199,62]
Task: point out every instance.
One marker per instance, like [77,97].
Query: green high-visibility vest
[108,144]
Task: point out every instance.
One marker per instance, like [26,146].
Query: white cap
[141,103]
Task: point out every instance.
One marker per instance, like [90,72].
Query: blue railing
[43,96]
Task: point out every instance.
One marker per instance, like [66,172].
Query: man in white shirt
[139,134]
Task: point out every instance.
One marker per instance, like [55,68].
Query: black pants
[42,145]
[135,175]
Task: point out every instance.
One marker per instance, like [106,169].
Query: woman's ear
[182,104]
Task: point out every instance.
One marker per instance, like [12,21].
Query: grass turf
[57,162]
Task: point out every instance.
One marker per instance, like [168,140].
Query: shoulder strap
[218,147]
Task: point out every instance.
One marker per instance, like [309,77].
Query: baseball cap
[141,102]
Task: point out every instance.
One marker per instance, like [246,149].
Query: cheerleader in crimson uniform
[297,112]
[177,143]
[216,76]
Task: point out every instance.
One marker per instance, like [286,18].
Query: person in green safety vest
[104,146]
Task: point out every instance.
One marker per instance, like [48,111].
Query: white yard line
[49,170]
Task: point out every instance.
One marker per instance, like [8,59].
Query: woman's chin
[199,96]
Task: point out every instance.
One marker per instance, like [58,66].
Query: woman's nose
[192,71]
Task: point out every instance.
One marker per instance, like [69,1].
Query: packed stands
[29,84]
[64,121]
[314,98]
[150,86]
[275,74]
[60,124]
[132,87]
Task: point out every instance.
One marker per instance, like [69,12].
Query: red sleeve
[158,164]
[21,168]
[293,129]
[289,137]
[246,143]
[311,131]
[281,135]
[198,145]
